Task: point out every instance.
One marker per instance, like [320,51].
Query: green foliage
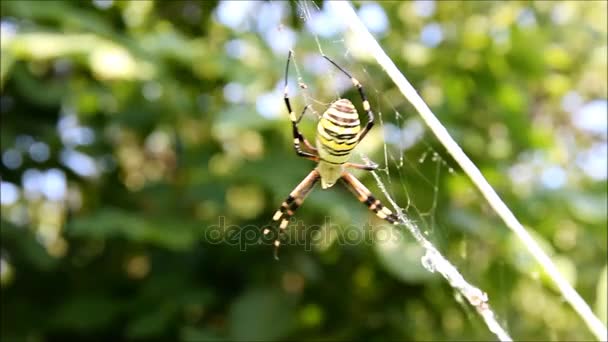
[142,141]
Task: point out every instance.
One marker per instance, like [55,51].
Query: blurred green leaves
[107,60]
[176,108]
[248,323]
[113,223]
[100,311]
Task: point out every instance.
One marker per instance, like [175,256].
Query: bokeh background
[133,129]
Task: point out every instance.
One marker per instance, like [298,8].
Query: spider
[338,132]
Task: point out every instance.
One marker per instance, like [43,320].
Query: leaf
[109,222]
[588,208]
[153,323]
[260,315]
[195,334]
[86,313]
[24,246]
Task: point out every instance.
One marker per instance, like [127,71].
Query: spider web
[407,153]
[405,148]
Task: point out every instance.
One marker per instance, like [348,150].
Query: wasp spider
[338,132]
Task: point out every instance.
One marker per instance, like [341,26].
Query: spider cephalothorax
[338,133]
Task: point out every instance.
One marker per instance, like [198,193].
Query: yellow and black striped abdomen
[337,132]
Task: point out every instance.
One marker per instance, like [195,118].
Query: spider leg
[365,196]
[365,167]
[366,106]
[291,204]
[298,138]
[304,140]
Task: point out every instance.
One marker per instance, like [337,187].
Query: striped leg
[366,106]
[365,196]
[291,204]
[298,138]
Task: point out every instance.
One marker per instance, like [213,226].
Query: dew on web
[422,158]
[427,262]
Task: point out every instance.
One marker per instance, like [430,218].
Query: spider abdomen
[338,132]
